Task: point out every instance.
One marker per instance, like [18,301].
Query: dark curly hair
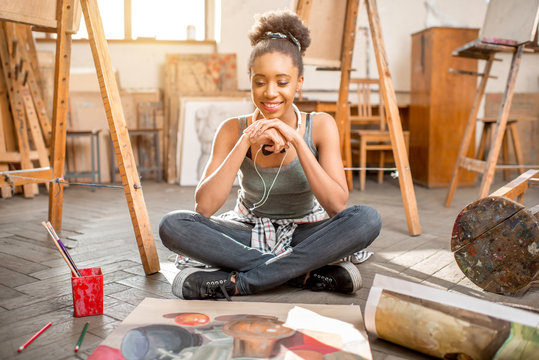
[283,22]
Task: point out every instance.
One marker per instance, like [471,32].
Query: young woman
[290,220]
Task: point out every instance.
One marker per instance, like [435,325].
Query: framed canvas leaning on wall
[199,118]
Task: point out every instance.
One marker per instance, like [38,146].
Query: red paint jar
[88,292]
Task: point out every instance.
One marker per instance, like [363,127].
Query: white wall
[139,65]
[399,19]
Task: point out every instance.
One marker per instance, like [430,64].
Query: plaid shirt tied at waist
[273,236]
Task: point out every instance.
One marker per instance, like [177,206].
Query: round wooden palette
[496,244]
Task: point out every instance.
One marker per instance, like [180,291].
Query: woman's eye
[283,83]
[259,83]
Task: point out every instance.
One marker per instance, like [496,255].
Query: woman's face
[274,82]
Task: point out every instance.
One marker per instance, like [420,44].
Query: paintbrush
[61,248]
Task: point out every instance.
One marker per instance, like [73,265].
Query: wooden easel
[111,99]
[388,92]
[21,82]
[486,52]
[509,26]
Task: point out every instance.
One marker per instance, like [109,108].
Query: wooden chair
[368,128]
[511,132]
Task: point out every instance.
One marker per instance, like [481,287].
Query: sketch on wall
[199,119]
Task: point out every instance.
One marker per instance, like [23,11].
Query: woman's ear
[299,85]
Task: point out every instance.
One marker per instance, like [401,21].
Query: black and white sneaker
[200,284]
[341,277]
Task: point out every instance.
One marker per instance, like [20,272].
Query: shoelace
[327,282]
[213,286]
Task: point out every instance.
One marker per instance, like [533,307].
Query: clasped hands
[271,135]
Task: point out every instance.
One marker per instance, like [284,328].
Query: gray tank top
[291,196]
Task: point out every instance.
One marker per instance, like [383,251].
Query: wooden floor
[35,285]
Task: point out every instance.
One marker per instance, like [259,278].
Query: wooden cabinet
[440,104]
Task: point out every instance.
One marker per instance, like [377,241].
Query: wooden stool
[94,172]
[510,131]
[149,134]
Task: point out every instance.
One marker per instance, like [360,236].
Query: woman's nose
[271,90]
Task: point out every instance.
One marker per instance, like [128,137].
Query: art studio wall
[140,65]
[399,20]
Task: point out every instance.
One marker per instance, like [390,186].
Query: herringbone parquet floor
[35,286]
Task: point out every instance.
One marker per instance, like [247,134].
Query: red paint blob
[192,319]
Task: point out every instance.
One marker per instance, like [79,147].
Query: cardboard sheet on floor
[179,329]
[440,323]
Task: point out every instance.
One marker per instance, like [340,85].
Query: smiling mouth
[271,106]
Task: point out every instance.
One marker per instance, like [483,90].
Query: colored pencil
[81,337]
[34,337]
[61,251]
[64,249]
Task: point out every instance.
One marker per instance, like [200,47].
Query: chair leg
[362,163]
[381,163]
[482,143]
[513,131]
[505,155]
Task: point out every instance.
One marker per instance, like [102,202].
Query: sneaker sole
[355,275]
[179,279]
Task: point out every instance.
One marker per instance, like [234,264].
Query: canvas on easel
[513,21]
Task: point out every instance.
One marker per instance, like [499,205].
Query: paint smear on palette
[104,352]
[231,317]
[192,319]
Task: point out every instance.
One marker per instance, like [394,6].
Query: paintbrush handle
[64,249]
[60,250]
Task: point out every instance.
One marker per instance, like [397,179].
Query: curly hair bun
[280,21]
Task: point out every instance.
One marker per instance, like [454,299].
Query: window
[157,19]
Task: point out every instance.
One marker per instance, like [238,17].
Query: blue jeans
[226,244]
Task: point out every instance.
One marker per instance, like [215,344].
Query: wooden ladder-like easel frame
[117,125]
[390,101]
[486,167]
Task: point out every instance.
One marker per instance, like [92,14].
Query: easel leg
[394,123]
[488,175]
[469,131]
[120,137]
[343,110]
[59,111]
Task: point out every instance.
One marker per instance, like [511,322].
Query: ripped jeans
[226,244]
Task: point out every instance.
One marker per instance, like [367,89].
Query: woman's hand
[260,134]
[275,132]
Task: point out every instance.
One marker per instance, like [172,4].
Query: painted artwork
[447,325]
[171,329]
[199,119]
[203,73]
